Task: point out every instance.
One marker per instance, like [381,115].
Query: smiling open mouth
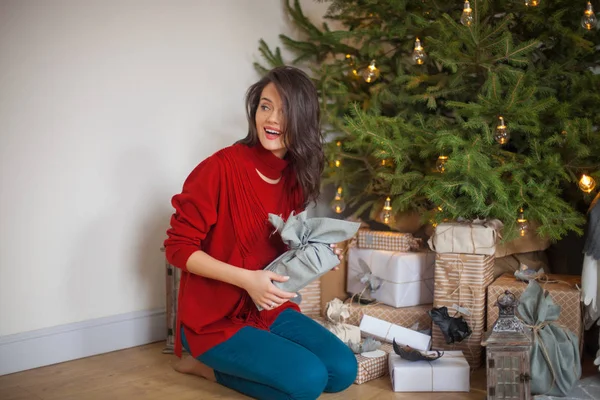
[272,132]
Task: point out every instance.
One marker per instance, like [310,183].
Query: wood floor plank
[17,393]
[144,373]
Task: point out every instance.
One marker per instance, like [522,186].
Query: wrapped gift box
[385,331]
[414,317]
[373,365]
[391,241]
[461,282]
[564,292]
[310,302]
[345,332]
[172,278]
[398,279]
[450,373]
[465,238]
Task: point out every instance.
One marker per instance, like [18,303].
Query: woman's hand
[338,252]
[263,292]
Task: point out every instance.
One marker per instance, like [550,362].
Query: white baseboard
[23,351]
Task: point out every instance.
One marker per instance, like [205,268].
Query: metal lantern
[508,350]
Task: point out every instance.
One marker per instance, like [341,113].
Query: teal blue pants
[297,359]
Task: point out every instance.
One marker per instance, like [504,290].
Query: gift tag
[373,354]
[462,310]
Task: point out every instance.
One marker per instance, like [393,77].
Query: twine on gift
[469,224]
[544,279]
[458,289]
[362,274]
[535,329]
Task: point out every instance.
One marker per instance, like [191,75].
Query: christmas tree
[457,109]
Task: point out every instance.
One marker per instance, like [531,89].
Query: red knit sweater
[223,210]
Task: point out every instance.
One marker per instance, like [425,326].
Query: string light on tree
[418,54]
[532,3]
[371,73]
[587,183]
[353,72]
[467,15]
[522,223]
[441,163]
[338,162]
[589,21]
[501,135]
[387,216]
[338,205]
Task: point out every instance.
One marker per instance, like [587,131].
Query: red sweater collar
[266,162]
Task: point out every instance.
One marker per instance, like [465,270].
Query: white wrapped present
[450,373]
[394,278]
[477,237]
[383,330]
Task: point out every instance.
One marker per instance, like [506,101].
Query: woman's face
[270,121]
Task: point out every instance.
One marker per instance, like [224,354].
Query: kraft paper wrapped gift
[478,237]
[461,282]
[390,241]
[564,290]
[310,299]
[450,373]
[373,364]
[385,331]
[414,317]
[398,279]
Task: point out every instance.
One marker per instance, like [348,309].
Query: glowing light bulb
[522,223]
[587,183]
[418,54]
[501,135]
[387,216]
[532,3]
[467,15]
[338,163]
[338,205]
[589,21]
[352,72]
[371,73]
[441,163]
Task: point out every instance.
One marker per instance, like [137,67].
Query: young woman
[221,239]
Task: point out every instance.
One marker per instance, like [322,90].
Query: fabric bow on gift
[310,254]
[337,312]
[454,329]
[372,282]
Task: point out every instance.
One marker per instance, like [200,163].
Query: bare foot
[190,365]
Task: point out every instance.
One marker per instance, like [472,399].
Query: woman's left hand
[338,252]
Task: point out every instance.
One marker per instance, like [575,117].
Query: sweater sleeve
[195,212]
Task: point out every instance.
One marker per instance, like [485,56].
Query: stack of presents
[426,296]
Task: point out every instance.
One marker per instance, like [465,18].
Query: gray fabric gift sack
[309,255]
[555,360]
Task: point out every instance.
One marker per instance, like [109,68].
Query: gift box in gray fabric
[309,255]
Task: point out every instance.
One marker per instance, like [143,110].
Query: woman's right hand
[263,292]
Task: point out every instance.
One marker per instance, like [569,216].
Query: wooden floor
[145,373]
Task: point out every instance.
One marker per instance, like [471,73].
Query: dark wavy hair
[302,132]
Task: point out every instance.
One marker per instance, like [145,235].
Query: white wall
[105,107]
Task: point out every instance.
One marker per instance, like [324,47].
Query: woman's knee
[309,381]
[342,370]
